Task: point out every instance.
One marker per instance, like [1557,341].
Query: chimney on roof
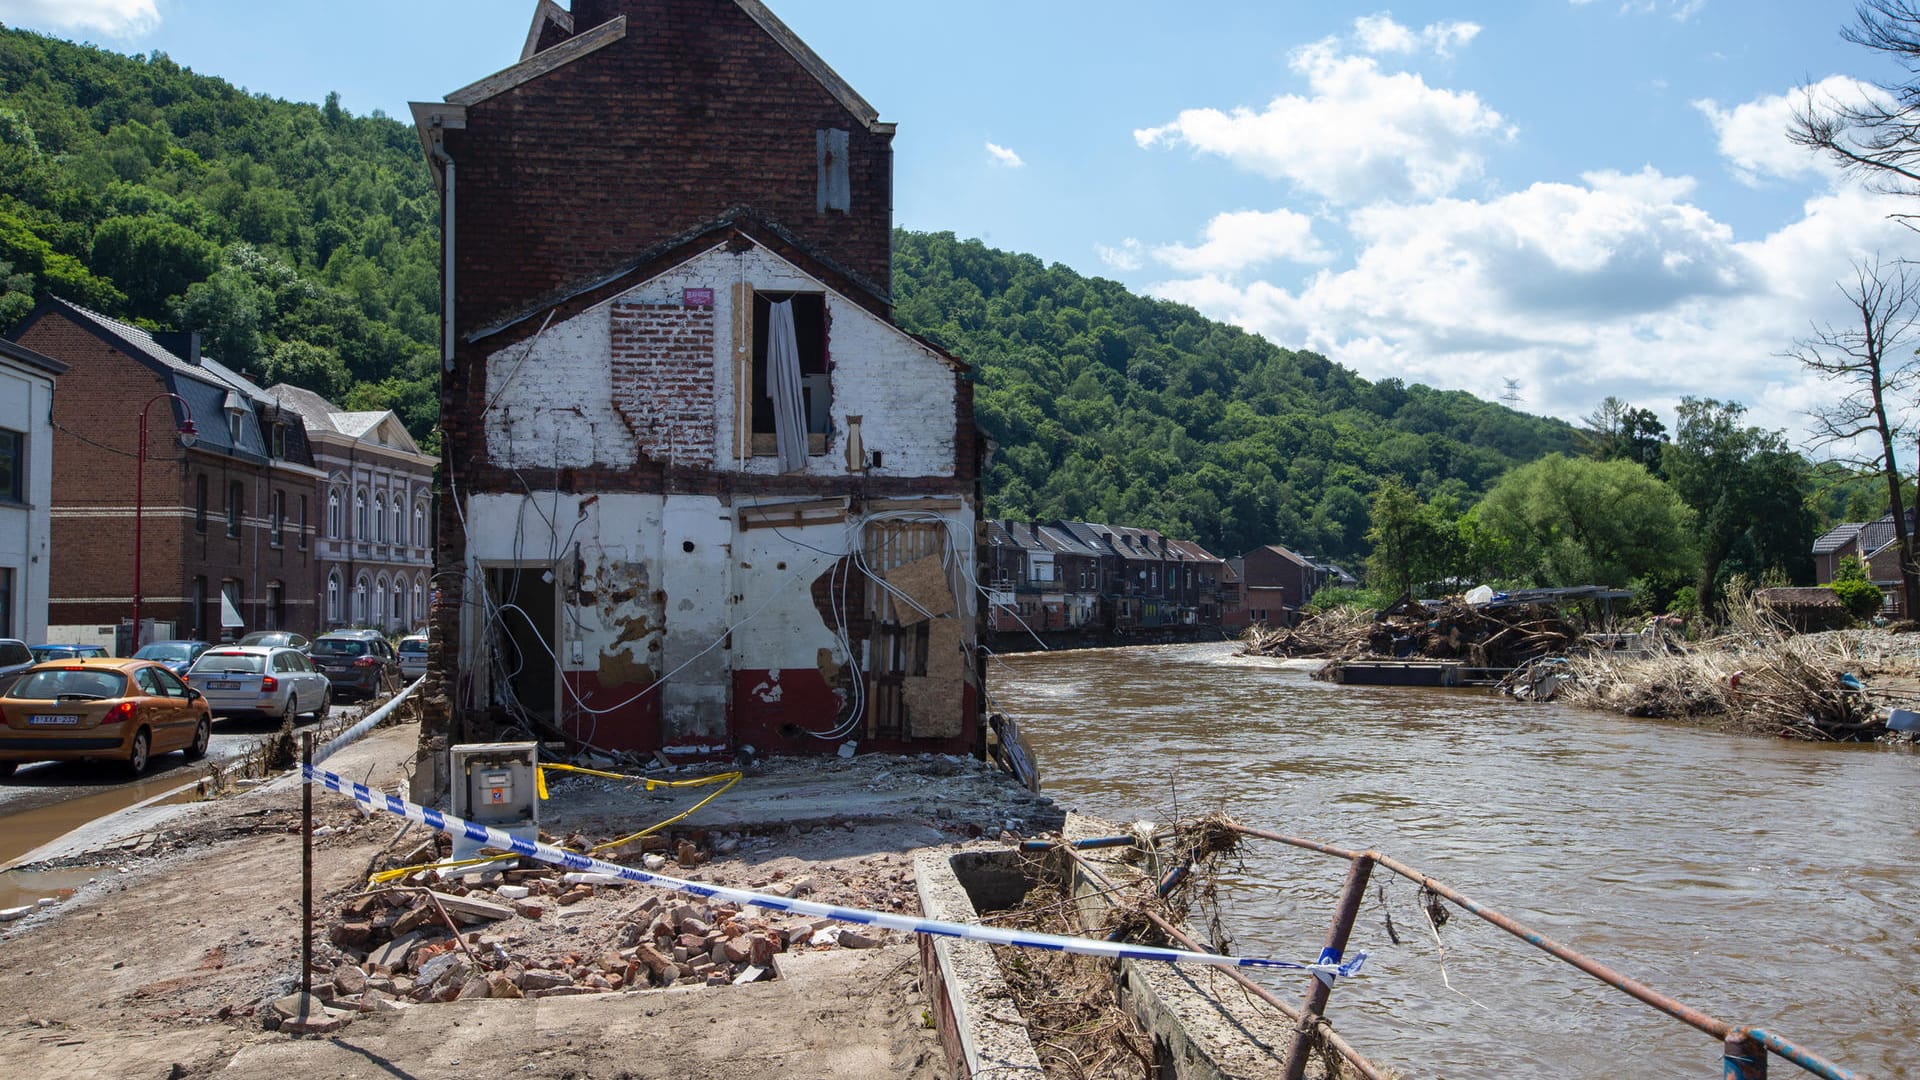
[183,344]
[588,14]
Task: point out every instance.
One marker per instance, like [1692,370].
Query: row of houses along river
[1768,883]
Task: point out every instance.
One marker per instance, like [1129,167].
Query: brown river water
[1767,883]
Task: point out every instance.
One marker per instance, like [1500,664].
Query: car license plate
[53,720]
[223,686]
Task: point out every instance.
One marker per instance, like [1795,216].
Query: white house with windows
[26,488]
[375,549]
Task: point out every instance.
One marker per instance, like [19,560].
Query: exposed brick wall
[697,110]
[663,379]
[96,440]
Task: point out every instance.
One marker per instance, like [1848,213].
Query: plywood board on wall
[925,580]
[933,701]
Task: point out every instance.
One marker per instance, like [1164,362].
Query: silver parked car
[258,680]
[413,656]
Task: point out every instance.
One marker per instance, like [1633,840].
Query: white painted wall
[550,396]
[755,582]
[26,405]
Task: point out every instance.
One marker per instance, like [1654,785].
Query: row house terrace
[375,532]
[1077,576]
[702,493]
[226,521]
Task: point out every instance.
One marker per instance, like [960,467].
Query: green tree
[151,259]
[1748,493]
[1855,589]
[1399,533]
[1575,521]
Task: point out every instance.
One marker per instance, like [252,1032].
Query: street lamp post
[187,436]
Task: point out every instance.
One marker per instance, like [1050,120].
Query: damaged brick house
[701,492]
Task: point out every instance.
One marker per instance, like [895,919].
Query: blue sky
[1587,198]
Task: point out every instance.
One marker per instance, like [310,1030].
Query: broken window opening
[810,334]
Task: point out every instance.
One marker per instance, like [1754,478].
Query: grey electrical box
[493,785]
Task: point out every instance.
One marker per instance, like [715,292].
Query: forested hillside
[1112,406]
[303,242]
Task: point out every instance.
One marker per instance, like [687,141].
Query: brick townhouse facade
[701,492]
[227,521]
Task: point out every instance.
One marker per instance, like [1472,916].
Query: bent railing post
[1743,1058]
[1314,1007]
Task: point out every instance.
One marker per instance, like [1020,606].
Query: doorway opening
[523,641]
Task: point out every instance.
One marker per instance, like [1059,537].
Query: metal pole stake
[306,865]
[1351,896]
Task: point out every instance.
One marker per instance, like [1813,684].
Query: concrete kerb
[1206,1027]
[980,1027]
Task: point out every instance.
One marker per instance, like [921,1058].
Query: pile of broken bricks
[417,944]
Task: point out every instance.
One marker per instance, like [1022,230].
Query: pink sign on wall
[696,298]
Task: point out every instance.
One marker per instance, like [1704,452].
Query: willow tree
[1871,358]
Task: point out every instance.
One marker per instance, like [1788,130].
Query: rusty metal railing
[1743,1049]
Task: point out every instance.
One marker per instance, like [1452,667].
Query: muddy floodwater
[1767,883]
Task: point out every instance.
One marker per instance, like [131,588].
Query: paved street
[35,786]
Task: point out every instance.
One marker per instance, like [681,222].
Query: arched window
[360,600]
[333,597]
[333,513]
[380,518]
[360,514]
[399,523]
[419,600]
[380,604]
[399,603]
[420,524]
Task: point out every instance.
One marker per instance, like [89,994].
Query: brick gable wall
[696,111]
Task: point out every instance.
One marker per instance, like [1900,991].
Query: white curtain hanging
[783,388]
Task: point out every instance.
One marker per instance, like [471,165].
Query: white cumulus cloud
[1244,239]
[1129,254]
[1361,134]
[1000,155]
[1381,34]
[1753,134]
[1616,285]
[115,18]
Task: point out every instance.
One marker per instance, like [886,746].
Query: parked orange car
[106,708]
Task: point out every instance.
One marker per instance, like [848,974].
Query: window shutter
[742,371]
[836,190]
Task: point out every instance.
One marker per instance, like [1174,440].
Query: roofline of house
[18,352]
[676,250]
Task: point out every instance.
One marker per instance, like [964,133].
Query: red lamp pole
[187,434]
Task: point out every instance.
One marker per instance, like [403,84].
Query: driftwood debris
[1760,677]
[1504,636]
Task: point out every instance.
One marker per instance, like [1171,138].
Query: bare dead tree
[1877,136]
[1873,361]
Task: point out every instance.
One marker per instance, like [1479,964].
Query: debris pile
[1759,677]
[1503,635]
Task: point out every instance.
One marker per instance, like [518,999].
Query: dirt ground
[167,965]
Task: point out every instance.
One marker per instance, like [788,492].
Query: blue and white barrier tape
[573,860]
[372,721]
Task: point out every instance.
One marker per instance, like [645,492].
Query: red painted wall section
[779,724]
[631,725]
